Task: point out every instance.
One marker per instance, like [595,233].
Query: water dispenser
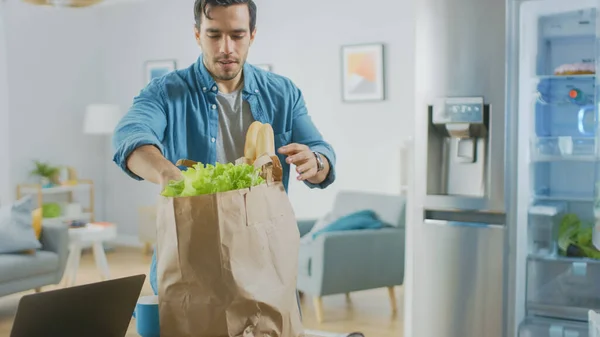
[457,146]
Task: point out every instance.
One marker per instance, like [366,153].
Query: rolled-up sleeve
[305,132]
[143,124]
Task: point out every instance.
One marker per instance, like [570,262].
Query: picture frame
[158,68]
[363,72]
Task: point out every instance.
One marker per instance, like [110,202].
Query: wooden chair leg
[348,299]
[147,248]
[392,294]
[318,303]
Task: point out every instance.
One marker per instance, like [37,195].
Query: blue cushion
[16,227]
[366,219]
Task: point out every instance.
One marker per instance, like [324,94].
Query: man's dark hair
[203,6]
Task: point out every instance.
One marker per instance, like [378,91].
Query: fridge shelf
[565,77]
[564,197]
[563,180]
[543,327]
[564,288]
[563,148]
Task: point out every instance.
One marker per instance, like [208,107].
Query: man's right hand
[166,177]
[148,162]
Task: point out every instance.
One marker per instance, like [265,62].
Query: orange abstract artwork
[362,72]
[363,65]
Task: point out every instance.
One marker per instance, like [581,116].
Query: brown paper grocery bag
[227,262]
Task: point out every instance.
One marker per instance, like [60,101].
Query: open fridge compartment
[564,108]
[544,219]
[563,288]
[566,43]
[563,180]
[563,148]
[542,327]
[557,114]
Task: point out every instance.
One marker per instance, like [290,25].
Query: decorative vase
[45,182]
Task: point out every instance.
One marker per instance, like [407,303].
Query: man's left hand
[305,161]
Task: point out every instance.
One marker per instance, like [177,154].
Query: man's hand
[305,161]
[167,176]
[148,162]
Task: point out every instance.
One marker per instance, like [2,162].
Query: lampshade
[101,118]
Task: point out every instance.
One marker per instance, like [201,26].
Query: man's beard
[226,76]
[223,75]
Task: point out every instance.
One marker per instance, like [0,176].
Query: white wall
[131,38]
[54,65]
[302,42]
[4,122]
[87,55]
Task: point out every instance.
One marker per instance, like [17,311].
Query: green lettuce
[575,237]
[208,179]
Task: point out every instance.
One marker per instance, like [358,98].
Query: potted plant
[46,173]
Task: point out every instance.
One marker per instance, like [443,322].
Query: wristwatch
[320,164]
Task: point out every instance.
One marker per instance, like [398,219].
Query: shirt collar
[208,83]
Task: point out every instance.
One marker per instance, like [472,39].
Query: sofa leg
[348,299]
[392,294]
[318,303]
[38,290]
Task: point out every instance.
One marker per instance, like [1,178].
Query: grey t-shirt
[235,118]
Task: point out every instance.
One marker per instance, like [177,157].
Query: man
[202,112]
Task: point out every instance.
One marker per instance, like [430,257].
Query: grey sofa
[354,260]
[22,272]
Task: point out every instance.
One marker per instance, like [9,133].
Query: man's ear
[252,36]
[197,34]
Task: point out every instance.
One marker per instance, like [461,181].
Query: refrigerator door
[457,229]
[459,280]
[551,165]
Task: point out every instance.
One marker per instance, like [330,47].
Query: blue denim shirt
[178,114]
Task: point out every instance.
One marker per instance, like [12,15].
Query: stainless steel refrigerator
[459,221]
[506,163]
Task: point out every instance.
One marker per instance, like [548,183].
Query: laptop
[102,309]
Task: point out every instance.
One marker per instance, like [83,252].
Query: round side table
[92,234]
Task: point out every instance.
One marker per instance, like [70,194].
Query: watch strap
[320,164]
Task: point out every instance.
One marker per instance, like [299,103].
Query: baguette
[251,141]
[265,144]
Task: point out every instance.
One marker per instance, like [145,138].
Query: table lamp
[102,119]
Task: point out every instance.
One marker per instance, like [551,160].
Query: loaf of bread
[265,144]
[251,139]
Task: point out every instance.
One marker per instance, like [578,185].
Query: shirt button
[214,88]
[214,106]
[256,91]
[204,89]
[213,139]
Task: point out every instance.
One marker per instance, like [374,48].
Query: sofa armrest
[306,225]
[358,259]
[55,238]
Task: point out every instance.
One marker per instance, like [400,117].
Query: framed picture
[266,67]
[363,72]
[158,68]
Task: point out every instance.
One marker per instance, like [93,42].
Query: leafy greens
[208,179]
[575,238]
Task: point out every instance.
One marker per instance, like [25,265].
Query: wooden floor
[368,311]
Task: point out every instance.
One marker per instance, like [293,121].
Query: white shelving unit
[40,192]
